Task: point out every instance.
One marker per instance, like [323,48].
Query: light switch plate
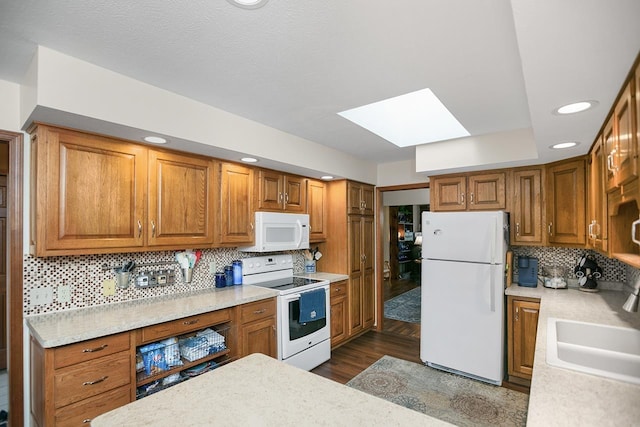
[108,287]
[212,268]
[64,293]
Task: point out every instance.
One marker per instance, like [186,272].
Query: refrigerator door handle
[492,290]
[493,240]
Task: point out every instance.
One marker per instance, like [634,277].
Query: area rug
[448,397]
[404,307]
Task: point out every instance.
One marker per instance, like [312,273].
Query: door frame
[379,248]
[15,362]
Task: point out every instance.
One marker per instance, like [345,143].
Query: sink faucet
[631,305]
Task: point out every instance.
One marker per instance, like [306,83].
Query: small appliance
[275,231]
[527,271]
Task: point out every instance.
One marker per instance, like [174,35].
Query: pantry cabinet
[527,206]
[522,327]
[235,204]
[93,194]
[349,249]
[72,384]
[258,328]
[281,192]
[472,192]
[339,312]
[565,199]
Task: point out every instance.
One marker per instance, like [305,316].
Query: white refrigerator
[462,305]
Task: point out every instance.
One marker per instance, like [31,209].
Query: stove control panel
[267,263]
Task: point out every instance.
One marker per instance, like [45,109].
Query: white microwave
[276,231]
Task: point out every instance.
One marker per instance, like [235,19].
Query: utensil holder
[186,274]
[309,266]
[122,279]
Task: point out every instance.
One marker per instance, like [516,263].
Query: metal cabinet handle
[337,289]
[517,313]
[191,322]
[86,421]
[286,197]
[139,229]
[280,197]
[633,231]
[260,311]
[93,350]
[590,230]
[153,228]
[99,380]
[251,225]
[462,199]
[517,228]
[550,229]
[471,201]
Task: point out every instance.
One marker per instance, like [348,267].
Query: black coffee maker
[527,271]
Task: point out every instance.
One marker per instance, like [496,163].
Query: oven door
[296,336]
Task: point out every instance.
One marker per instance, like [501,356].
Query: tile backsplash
[85,274]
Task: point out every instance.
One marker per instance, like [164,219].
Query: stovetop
[292,284]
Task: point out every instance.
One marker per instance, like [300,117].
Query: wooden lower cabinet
[258,328]
[522,327]
[74,383]
[339,312]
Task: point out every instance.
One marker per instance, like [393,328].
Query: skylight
[412,119]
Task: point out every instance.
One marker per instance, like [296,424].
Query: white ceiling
[498,65]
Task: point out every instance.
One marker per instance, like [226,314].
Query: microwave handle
[299,233]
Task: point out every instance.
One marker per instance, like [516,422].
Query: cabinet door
[354,198]
[527,206]
[295,194]
[270,190]
[235,204]
[260,337]
[90,192]
[566,202]
[597,200]
[339,312]
[368,280]
[610,151]
[448,194]
[523,326]
[367,195]
[625,138]
[317,210]
[486,192]
[180,200]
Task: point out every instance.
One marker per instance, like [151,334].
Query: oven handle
[293,297]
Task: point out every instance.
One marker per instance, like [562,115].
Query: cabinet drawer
[184,325]
[82,413]
[257,310]
[339,289]
[89,350]
[75,383]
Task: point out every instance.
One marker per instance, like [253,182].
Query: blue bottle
[237,272]
[228,275]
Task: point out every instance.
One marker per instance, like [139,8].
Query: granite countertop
[561,397]
[260,391]
[331,277]
[67,327]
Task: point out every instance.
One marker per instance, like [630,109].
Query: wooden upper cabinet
[620,140]
[597,198]
[566,202]
[317,210]
[448,193]
[235,206]
[479,191]
[181,195]
[89,192]
[486,191]
[360,198]
[526,209]
[281,192]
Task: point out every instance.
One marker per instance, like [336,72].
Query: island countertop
[561,397]
[68,327]
[260,391]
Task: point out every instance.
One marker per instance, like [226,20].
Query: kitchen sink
[607,351]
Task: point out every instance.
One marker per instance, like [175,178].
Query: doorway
[399,257]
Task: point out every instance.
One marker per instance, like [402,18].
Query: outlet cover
[108,287]
[64,293]
[212,268]
[41,296]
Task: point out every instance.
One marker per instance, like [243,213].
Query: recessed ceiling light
[326,177]
[249,159]
[155,139]
[248,4]
[415,118]
[575,107]
[562,145]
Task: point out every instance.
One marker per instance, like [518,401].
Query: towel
[312,305]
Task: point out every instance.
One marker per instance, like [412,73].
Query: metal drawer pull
[260,311]
[88,420]
[191,322]
[96,381]
[517,228]
[633,231]
[93,350]
[338,289]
